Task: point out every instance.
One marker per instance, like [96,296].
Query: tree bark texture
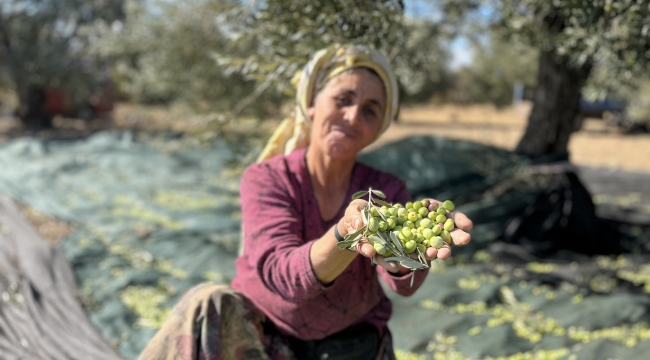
[556,103]
[31,109]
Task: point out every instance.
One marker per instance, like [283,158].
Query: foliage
[237,58]
[496,67]
[44,43]
[612,35]
[420,65]
[164,52]
[285,32]
[615,33]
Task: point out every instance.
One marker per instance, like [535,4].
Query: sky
[460,48]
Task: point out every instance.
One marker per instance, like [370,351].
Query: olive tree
[573,37]
[43,44]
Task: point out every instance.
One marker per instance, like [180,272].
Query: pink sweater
[281,220]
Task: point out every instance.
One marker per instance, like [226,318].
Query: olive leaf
[382,216]
[388,244]
[398,244]
[345,244]
[359,194]
[376,238]
[354,234]
[379,193]
[382,202]
[412,264]
[366,216]
[422,256]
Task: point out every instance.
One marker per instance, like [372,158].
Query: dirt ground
[595,145]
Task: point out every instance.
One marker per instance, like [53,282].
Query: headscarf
[293,133]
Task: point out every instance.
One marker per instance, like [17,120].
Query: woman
[302,297]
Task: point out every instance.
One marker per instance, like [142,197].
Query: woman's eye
[341,100]
[371,112]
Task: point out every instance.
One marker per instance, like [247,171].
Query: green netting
[154,219]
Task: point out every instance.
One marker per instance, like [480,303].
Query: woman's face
[347,114]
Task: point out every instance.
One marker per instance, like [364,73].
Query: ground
[595,145]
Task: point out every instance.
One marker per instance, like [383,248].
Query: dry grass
[51,230]
[594,145]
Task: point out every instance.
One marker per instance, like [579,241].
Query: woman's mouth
[346,134]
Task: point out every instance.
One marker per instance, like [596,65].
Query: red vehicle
[99,104]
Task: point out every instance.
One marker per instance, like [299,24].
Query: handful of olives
[396,231]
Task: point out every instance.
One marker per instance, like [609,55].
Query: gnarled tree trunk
[556,103]
[31,110]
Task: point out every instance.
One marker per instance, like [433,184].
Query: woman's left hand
[459,237]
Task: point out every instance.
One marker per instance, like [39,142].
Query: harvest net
[540,278]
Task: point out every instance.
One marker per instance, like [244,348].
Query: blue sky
[460,47]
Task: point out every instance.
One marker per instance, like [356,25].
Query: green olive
[391,223]
[407,233]
[426,223]
[379,248]
[446,236]
[436,242]
[441,219]
[417,205]
[401,220]
[449,225]
[427,233]
[423,212]
[409,205]
[408,224]
[384,210]
[374,211]
[410,246]
[441,211]
[436,229]
[402,212]
[413,216]
[373,224]
[392,211]
[383,226]
[447,204]
[425,203]
[432,215]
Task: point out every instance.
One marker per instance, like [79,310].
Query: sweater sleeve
[402,284]
[273,242]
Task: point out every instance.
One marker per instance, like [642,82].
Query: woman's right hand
[353,221]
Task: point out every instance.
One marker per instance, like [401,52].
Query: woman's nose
[353,114]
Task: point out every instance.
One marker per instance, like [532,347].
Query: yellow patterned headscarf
[293,133]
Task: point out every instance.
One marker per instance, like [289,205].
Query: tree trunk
[556,103]
[31,109]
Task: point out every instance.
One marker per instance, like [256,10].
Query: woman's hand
[352,221]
